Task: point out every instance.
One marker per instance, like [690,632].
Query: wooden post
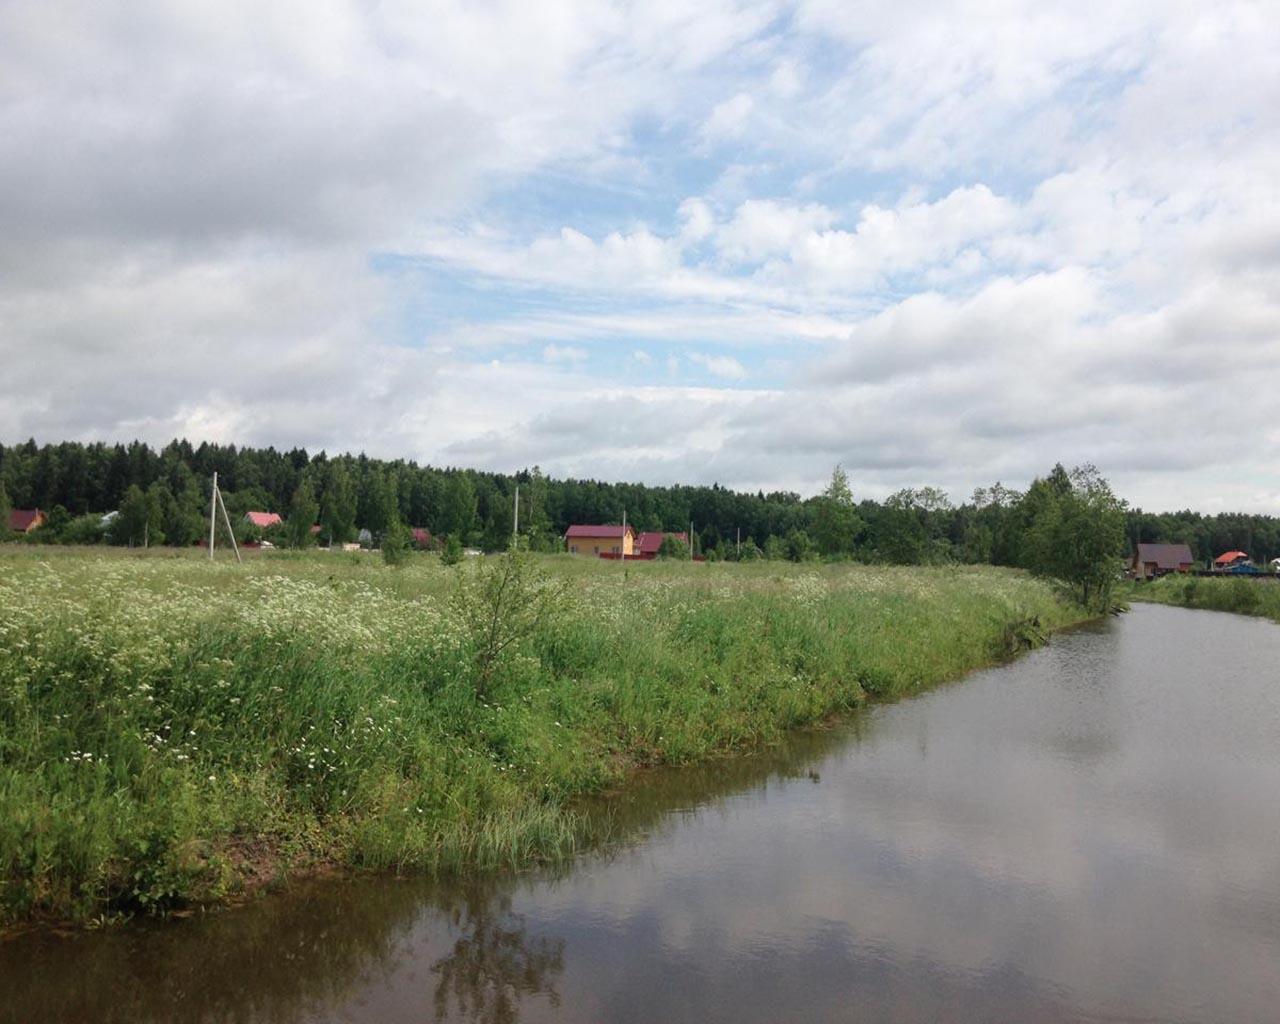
[515,521]
[213,512]
[227,519]
[622,543]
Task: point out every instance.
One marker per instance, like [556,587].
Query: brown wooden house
[1152,560]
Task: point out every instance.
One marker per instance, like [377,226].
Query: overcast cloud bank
[728,241]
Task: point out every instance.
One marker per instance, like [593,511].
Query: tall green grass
[1240,595]
[175,730]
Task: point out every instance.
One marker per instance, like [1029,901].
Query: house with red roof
[263,520]
[1230,560]
[421,538]
[601,541]
[651,540]
[24,520]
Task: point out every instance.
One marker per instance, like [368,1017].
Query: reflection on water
[1090,833]
[495,966]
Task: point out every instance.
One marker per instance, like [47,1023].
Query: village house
[601,541]
[24,520]
[421,538]
[651,540]
[1230,560]
[1152,560]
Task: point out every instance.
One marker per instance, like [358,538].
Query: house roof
[421,535]
[588,532]
[1166,556]
[263,519]
[22,519]
[1229,557]
[651,540]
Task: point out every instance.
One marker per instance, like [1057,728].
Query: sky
[731,241]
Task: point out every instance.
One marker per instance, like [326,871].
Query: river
[1089,834]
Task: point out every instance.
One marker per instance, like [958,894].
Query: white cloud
[761,228]
[729,119]
[564,354]
[696,219]
[787,79]
[719,366]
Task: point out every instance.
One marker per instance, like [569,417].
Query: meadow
[1239,594]
[175,731]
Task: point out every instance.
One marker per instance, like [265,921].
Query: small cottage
[24,520]
[601,541]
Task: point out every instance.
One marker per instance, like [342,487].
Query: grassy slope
[1243,596]
[172,729]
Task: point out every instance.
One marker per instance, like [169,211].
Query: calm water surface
[1091,834]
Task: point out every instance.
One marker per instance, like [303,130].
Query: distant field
[173,729]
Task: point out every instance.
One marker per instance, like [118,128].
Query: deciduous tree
[303,510]
[835,522]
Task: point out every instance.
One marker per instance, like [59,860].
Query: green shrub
[395,545]
[451,553]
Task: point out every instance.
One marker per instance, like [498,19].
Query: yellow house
[601,541]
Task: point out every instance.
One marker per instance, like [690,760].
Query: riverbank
[175,731]
[1241,595]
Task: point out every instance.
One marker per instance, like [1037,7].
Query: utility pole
[691,540]
[214,502]
[515,521]
[230,532]
[739,543]
[213,512]
[622,544]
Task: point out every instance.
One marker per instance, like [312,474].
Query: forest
[162,497]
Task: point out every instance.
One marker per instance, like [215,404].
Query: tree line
[162,497]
